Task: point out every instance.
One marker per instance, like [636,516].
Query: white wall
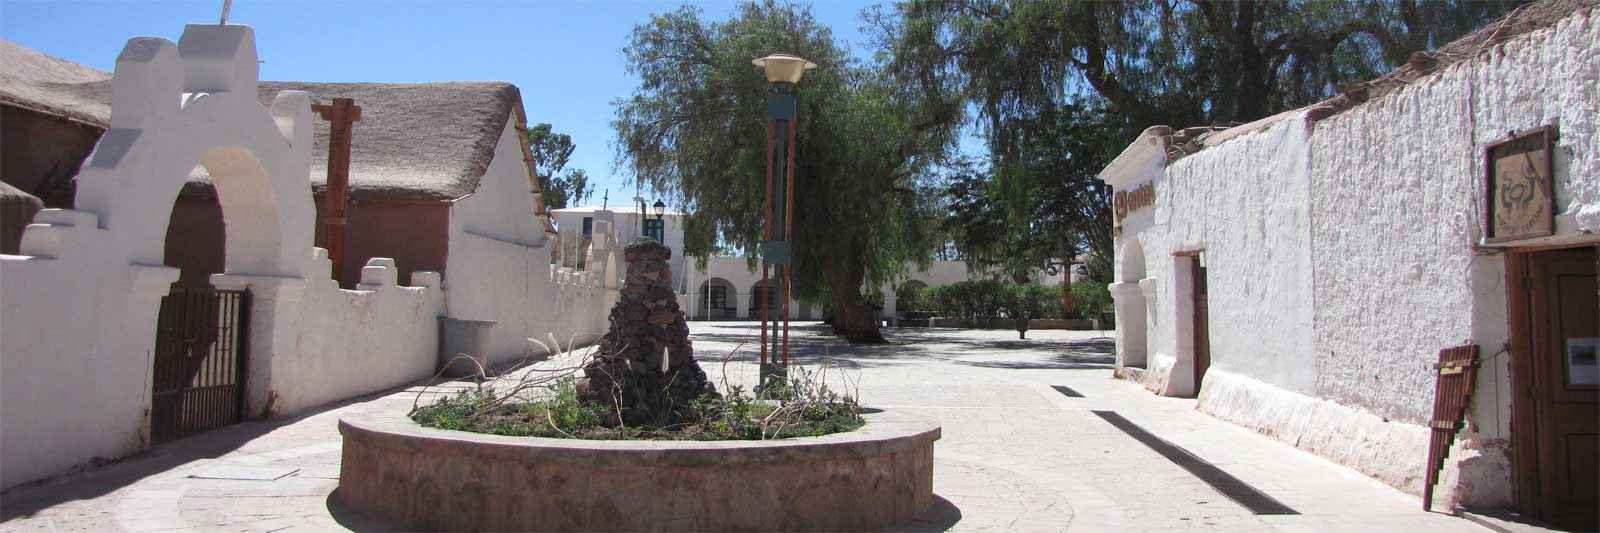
[77,328]
[1246,204]
[499,269]
[353,342]
[1399,277]
[1342,258]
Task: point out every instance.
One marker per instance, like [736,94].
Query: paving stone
[1016,455]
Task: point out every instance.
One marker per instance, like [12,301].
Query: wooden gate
[199,362]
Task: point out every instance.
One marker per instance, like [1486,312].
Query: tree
[694,131]
[551,151]
[1057,88]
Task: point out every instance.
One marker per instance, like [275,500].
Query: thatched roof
[16,212]
[32,80]
[415,141]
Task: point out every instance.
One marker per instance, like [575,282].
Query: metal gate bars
[199,362]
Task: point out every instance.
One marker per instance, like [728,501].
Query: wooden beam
[341,116]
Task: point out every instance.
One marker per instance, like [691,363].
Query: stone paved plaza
[1017,453]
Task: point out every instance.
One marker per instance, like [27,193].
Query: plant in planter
[644,383]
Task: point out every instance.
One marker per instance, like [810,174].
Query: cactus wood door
[1563,335]
[1202,321]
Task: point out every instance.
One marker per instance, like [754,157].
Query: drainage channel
[1234,488]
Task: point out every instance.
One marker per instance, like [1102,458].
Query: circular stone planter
[423,478]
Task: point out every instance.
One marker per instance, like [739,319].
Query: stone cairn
[645,370]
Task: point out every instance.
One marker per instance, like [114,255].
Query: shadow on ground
[941,516]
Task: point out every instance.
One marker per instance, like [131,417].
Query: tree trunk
[852,316]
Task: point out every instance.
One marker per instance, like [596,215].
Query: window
[588,225]
[655,228]
[719,297]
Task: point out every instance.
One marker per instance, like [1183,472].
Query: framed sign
[1521,187]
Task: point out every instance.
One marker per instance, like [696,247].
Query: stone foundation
[1476,473]
[429,479]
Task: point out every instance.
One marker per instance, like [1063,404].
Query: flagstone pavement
[1016,455]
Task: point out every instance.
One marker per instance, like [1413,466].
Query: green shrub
[802,407]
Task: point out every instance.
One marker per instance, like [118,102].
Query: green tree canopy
[1057,87]
[695,131]
[551,151]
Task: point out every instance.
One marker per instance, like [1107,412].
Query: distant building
[727,288]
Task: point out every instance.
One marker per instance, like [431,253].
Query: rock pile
[646,369]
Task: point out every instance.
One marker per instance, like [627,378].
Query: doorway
[1555,332]
[1202,321]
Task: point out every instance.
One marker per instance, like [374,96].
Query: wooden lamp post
[783,71]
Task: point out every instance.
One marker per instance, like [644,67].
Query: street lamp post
[783,71]
[657,229]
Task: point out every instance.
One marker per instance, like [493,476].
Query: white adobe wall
[1245,204]
[498,267]
[353,342]
[77,330]
[1398,277]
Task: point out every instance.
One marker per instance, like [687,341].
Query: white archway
[1131,305]
[93,277]
[717,299]
[175,106]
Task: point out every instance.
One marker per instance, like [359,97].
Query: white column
[1129,302]
[274,326]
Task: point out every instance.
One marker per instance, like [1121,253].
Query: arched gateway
[98,269]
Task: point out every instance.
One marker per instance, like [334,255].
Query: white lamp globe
[783,68]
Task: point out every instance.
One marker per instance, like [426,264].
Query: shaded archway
[759,299]
[718,300]
[192,106]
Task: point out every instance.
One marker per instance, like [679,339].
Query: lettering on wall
[1125,202]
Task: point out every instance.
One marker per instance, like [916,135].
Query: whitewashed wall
[77,328]
[77,324]
[499,265]
[353,342]
[1341,259]
[1398,277]
[1244,203]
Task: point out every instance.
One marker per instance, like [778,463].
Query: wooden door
[1202,321]
[1566,335]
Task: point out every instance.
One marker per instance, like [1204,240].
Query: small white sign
[1582,366]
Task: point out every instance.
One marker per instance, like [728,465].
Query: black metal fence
[199,362]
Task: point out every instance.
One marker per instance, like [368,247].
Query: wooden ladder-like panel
[1458,371]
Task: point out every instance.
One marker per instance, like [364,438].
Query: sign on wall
[1521,187]
[1125,202]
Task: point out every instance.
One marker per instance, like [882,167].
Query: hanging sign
[1125,202]
[1520,183]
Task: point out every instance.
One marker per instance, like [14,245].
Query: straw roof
[16,212]
[414,142]
[32,80]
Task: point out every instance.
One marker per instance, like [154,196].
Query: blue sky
[564,55]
